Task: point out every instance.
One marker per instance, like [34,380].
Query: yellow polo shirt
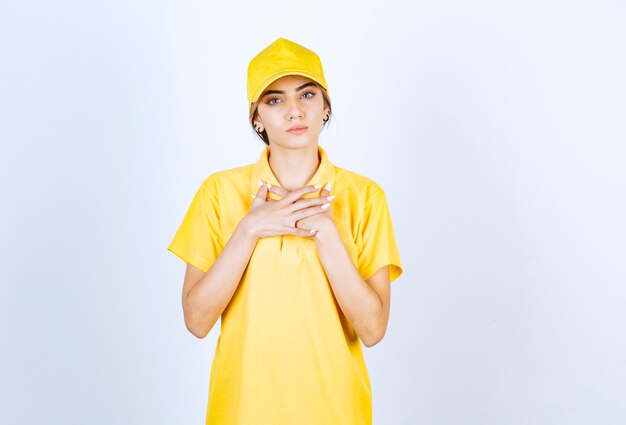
[286,354]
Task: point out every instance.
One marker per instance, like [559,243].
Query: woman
[296,255]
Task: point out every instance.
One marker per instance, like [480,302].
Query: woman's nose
[295,111]
[297,114]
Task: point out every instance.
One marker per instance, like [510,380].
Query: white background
[497,130]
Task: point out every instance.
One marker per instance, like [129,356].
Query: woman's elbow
[199,330]
[198,333]
[373,339]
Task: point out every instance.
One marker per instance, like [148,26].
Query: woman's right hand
[278,217]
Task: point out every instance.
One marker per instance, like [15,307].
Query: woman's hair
[263,134]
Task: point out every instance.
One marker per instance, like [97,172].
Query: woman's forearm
[359,302]
[208,298]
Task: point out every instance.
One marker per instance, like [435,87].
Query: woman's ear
[256,121]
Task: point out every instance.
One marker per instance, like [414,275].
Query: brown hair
[263,135]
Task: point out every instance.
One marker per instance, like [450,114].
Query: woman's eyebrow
[283,92]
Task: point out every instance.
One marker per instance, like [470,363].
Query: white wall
[497,130]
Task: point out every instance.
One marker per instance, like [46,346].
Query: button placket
[289,249]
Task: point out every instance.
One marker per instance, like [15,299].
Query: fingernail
[327,187]
[269,186]
[331,197]
[260,182]
[253,196]
[312,230]
[317,186]
[326,205]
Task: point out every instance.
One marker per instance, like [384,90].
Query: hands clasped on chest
[292,214]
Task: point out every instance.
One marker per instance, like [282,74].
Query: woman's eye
[271,101]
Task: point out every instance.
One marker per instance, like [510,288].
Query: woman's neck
[294,168]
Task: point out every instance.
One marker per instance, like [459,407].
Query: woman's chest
[288,248]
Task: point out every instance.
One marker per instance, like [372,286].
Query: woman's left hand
[317,221]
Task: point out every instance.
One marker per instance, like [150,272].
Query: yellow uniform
[286,354]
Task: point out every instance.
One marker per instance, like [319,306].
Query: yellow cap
[282,57]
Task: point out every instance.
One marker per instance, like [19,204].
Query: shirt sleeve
[378,243]
[198,240]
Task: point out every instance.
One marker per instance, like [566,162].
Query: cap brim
[269,80]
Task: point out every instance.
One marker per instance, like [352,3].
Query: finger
[261,194]
[310,211]
[296,194]
[261,197]
[307,233]
[282,192]
[304,203]
[325,190]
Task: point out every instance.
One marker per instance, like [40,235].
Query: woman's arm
[206,295]
[365,303]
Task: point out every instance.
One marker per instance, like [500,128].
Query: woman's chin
[296,142]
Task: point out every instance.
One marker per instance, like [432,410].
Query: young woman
[296,255]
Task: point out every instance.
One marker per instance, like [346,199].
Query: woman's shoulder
[229,177]
[355,182]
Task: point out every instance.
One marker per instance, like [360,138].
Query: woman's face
[289,101]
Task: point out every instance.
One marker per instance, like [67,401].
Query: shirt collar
[324,174]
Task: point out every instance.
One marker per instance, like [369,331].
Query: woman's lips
[298,130]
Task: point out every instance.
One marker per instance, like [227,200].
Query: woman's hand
[317,221]
[268,217]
